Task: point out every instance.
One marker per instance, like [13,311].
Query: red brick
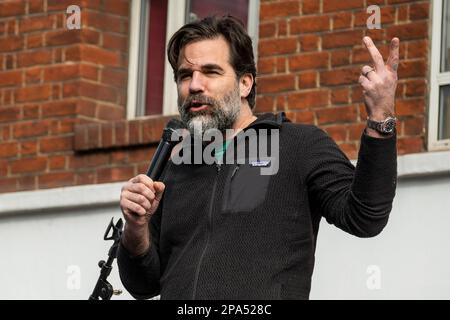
[310,6]
[35,93]
[105,112]
[342,20]
[280,9]
[55,180]
[28,147]
[8,184]
[89,72]
[334,5]
[100,56]
[115,174]
[309,42]
[29,165]
[10,78]
[55,144]
[33,75]
[418,49]
[58,108]
[276,83]
[36,23]
[350,150]
[119,157]
[33,58]
[9,149]
[71,89]
[34,41]
[30,129]
[357,94]
[266,65]
[118,7]
[410,107]
[337,133]
[120,133]
[305,61]
[62,37]
[35,6]
[134,132]
[340,76]
[308,99]
[277,46]
[86,108]
[355,131]
[139,155]
[114,77]
[336,115]
[419,11]
[107,133]
[413,126]
[85,177]
[307,80]
[340,95]
[342,39]
[102,21]
[9,114]
[30,111]
[410,145]
[267,30]
[11,44]
[92,37]
[89,161]
[73,53]
[115,42]
[416,88]
[282,28]
[98,91]
[281,64]
[409,69]
[340,57]
[12,8]
[309,24]
[410,31]
[264,104]
[61,72]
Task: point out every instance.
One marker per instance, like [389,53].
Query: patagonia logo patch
[261,163]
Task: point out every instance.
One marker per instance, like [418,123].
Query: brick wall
[311,54]
[63,92]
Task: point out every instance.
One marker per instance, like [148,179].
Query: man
[216,232]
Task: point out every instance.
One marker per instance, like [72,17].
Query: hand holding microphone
[140,196]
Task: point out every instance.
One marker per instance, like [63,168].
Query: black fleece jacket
[227,233]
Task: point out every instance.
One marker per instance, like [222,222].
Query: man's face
[208,89]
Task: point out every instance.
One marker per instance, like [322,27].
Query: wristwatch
[384,127]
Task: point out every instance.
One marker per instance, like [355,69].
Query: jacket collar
[269,120]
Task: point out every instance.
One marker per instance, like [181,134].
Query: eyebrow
[206,67]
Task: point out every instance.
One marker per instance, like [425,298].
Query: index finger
[142,178]
[374,53]
[392,61]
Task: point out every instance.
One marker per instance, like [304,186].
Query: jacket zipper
[211,206]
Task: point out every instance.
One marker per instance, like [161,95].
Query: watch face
[388,126]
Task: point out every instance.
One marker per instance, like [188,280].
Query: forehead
[208,51]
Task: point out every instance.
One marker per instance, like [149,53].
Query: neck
[244,119]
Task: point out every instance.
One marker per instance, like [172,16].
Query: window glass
[444,113]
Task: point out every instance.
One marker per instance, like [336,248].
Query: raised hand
[380,81]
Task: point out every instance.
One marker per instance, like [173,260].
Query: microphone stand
[103,289]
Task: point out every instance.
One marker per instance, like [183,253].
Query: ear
[245,84]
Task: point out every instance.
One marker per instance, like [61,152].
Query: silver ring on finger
[366,73]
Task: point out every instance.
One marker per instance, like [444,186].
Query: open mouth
[197,106]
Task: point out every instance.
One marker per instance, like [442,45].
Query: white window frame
[437,79]
[138,48]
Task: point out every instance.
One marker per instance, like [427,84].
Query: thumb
[159,190]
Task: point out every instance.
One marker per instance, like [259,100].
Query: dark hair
[241,50]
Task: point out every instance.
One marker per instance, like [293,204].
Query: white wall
[45,232]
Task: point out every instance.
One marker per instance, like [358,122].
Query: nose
[197,83]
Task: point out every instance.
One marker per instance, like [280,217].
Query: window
[151,89]
[439,111]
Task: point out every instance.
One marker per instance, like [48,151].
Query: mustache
[198,99]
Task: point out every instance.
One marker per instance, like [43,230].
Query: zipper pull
[234,171]
[218,166]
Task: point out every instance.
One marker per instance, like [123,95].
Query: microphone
[164,149]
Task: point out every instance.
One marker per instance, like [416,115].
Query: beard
[220,113]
